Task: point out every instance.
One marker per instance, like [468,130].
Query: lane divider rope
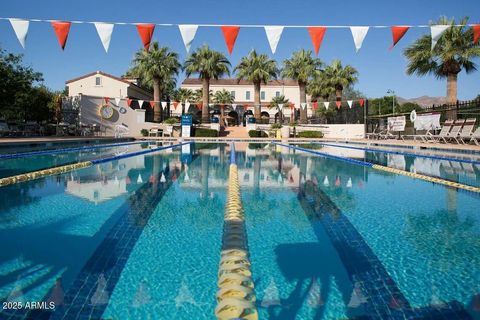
[399,152]
[235,295]
[444,182]
[75,166]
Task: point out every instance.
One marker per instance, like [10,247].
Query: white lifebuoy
[413,115]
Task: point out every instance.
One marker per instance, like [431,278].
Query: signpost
[186,125]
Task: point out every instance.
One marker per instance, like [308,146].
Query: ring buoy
[413,115]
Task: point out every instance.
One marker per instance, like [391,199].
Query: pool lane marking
[392,170]
[399,152]
[75,166]
[65,150]
[235,294]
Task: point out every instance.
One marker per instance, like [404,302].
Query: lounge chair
[467,130]
[447,126]
[387,135]
[168,132]
[455,132]
[155,132]
[476,137]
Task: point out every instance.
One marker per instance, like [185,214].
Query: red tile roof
[109,76]
[234,82]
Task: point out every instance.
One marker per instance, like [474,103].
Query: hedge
[310,134]
[202,132]
[257,134]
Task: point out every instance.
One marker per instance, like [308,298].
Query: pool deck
[5,142]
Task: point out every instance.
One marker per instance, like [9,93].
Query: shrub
[202,132]
[257,134]
[171,121]
[276,126]
[310,134]
[144,132]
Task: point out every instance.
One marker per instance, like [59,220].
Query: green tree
[223,97]
[208,64]
[302,66]
[454,52]
[320,87]
[409,106]
[340,77]
[157,68]
[257,68]
[276,101]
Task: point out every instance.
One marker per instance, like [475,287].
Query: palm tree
[340,77]
[301,67]
[276,101]
[257,68]
[159,66]
[208,64]
[453,53]
[183,95]
[320,87]
[222,98]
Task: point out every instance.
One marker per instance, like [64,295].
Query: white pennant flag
[326,183]
[326,104]
[104,31]
[187,106]
[162,178]
[280,106]
[350,103]
[234,106]
[349,183]
[21,29]
[304,105]
[117,102]
[437,32]
[188,32]
[359,34]
[140,103]
[139,179]
[164,104]
[273,35]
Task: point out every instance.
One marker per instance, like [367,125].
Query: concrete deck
[12,141]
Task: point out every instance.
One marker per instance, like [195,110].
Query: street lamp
[390,91]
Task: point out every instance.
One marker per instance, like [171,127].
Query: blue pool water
[327,239]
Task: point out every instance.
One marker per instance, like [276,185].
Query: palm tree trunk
[205,96]
[256,100]
[157,111]
[452,94]
[303,99]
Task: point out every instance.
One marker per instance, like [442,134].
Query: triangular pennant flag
[175,104]
[21,29]
[140,103]
[326,183]
[61,28]
[317,34]
[188,32]
[146,32]
[187,106]
[359,34]
[292,106]
[164,104]
[230,34]
[303,105]
[280,106]
[162,178]
[104,31]
[361,102]
[273,35]
[107,100]
[349,183]
[234,106]
[476,33]
[350,103]
[117,101]
[199,105]
[339,104]
[315,105]
[337,182]
[397,33]
[129,102]
[139,179]
[152,104]
[437,32]
[326,104]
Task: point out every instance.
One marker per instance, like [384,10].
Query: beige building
[101,84]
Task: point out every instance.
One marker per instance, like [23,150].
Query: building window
[277,94]
[98,81]
[262,95]
[247,95]
[232,93]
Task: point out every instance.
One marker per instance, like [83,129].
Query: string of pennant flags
[230,32]
[281,106]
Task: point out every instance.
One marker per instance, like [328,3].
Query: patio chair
[467,130]
[476,137]
[168,132]
[387,135]
[447,126]
[423,137]
[155,132]
[456,129]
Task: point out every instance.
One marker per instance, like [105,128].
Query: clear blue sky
[380,69]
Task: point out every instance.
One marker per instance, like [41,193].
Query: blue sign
[187,120]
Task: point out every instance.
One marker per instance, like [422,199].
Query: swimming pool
[140,237]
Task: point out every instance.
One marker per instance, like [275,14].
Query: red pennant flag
[337,182]
[397,34]
[146,32]
[129,102]
[175,104]
[200,105]
[230,34]
[317,33]
[107,100]
[361,101]
[339,104]
[315,105]
[152,104]
[476,33]
[61,28]
[292,106]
